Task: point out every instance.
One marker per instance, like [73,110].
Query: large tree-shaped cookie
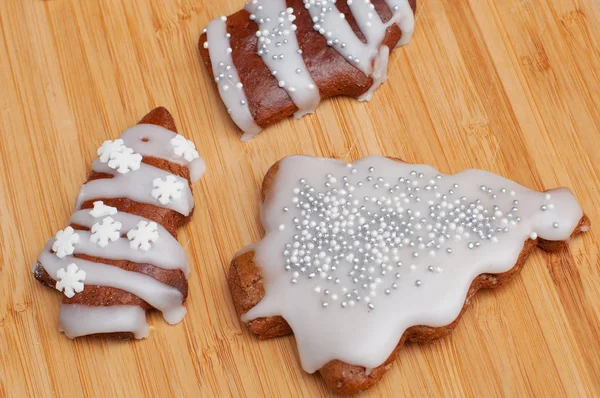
[358,258]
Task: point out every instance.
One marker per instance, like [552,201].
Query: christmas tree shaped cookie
[119,256]
[358,258]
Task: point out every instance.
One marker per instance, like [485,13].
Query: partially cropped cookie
[278,58]
[358,258]
[118,256]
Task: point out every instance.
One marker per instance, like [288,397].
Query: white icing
[161,296]
[412,265]
[226,76]
[279,50]
[155,141]
[379,73]
[165,253]
[332,24]
[404,17]
[80,320]
[136,186]
[70,280]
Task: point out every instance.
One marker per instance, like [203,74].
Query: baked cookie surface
[119,256]
[360,257]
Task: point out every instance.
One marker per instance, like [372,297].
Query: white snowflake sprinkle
[70,280]
[142,235]
[108,147]
[65,242]
[102,210]
[125,161]
[106,231]
[168,189]
[185,148]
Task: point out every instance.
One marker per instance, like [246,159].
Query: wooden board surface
[510,86]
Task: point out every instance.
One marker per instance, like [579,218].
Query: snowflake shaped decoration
[102,210]
[105,232]
[70,280]
[142,235]
[125,160]
[109,147]
[65,242]
[168,189]
[184,147]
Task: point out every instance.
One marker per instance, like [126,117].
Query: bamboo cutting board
[510,86]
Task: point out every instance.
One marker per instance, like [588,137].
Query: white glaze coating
[279,49]
[337,31]
[403,257]
[155,141]
[379,74]
[330,22]
[165,253]
[163,297]
[137,186]
[80,320]
[227,78]
[404,17]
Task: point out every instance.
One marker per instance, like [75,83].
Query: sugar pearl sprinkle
[354,245]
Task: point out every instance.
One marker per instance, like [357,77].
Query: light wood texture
[510,86]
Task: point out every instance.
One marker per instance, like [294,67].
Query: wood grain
[509,86]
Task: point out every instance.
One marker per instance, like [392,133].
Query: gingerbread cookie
[360,257]
[278,58]
[119,256]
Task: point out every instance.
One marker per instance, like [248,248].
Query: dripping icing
[279,50]
[413,282]
[227,78]
[332,24]
[81,320]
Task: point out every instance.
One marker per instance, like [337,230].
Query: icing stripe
[368,21]
[161,296]
[379,74]
[81,320]
[279,49]
[155,141]
[226,76]
[332,24]
[404,18]
[339,34]
[165,253]
[135,185]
